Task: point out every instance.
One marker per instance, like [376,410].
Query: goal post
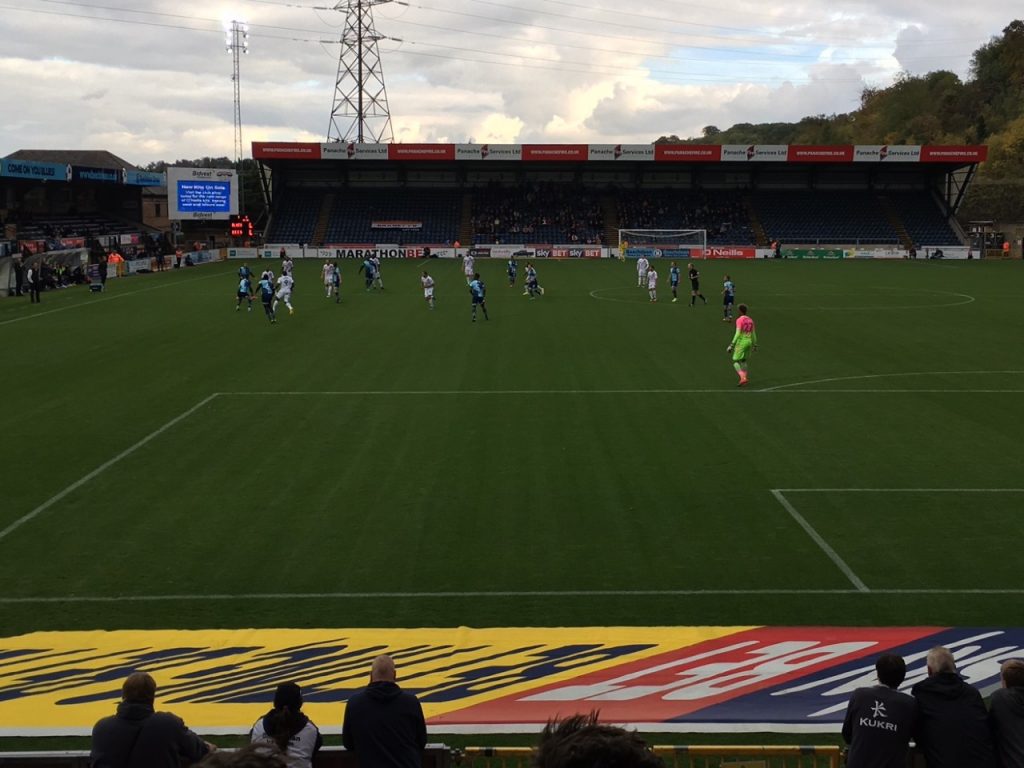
[662,243]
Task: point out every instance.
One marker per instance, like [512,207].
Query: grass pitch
[581,459]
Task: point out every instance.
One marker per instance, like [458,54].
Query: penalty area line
[102,468]
[820,541]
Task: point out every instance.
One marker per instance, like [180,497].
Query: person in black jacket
[138,737]
[879,721]
[383,724]
[953,729]
[1006,716]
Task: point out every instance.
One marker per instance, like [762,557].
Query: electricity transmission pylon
[360,112]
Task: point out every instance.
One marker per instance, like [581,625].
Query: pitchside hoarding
[682,679]
[202,193]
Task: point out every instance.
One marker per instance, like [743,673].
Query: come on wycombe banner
[752,678]
[202,193]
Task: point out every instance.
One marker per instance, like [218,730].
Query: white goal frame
[662,243]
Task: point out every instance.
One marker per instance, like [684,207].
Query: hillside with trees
[935,108]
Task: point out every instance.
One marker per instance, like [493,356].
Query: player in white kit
[642,265]
[467,267]
[652,284]
[284,292]
[328,274]
[428,288]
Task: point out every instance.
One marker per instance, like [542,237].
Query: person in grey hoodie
[1006,716]
[952,726]
[383,724]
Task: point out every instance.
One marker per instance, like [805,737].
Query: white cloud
[493,70]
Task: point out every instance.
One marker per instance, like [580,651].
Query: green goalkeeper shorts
[741,350]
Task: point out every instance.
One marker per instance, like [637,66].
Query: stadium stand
[436,211]
[922,218]
[825,216]
[537,213]
[49,227]
[724,215]
[295,216]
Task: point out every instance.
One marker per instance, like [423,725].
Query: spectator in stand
[383,724]
[287,727]
[139,737]
[952,729]
[1006,716]
[879,721]
[581,741]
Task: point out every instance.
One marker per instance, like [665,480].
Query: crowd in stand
[719,214]
[533,211]
[385,728]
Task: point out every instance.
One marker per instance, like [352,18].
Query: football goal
[662,243]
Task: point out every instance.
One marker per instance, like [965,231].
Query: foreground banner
[795,679]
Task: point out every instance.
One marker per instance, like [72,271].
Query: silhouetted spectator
[287,727]
[1006,716]
[581,741]
[952,729]
[139,737]
[383,724]
[880,720]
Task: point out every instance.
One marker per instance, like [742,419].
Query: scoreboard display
[241,226]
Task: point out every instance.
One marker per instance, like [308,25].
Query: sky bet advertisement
[788,679]
[202,193]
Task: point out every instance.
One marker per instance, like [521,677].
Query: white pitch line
[900,490]
[101,468]
[508,594]
[824,545]
[91,302]
[541,392]
[864,377]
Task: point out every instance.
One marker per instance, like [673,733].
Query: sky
[151,80]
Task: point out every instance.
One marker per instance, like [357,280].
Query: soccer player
[267,274]
[478,293]
[328,276]
[244,292]
[244,271]
[378,281]
[695,293]
[336,283]
[744,341]
[367,269]
[266,291]
[728,298]
[652,284]
[513,270]
[642,265]
[284,292]
[467,267]
[287,265]
[533,288]
[428,288]
[673,279]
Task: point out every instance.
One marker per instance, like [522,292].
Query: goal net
[662,243]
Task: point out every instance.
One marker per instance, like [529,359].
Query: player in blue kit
[673,280]
[244,271]
[266,291]
[244,292]
[513,270]
[478,293]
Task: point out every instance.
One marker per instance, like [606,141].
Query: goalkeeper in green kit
[744,341]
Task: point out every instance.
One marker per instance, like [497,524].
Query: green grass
[497,456]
